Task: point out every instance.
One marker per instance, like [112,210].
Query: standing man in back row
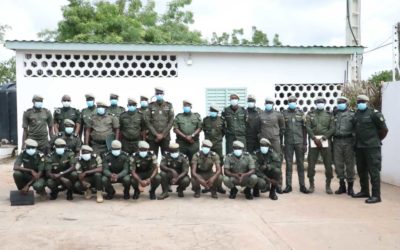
[159,120]
[114,109]
[252,124]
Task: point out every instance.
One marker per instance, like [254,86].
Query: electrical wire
[384,45]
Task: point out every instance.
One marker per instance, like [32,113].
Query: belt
[343,136]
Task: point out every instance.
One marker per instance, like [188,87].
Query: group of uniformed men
[121,146]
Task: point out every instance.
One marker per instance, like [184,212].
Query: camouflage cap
[89,96]
[238,144]
[214,108]
[343,98]
[143,144]
[269,99]
[37,98]
[234,96]
[101,104]
[60,142]
[113,96]
[65,98]
[87,148]
[31,143]
[132,100]
[69,122]
[265,141]
[207,143]
[292,98]
[116,144]
[173,145]
[362,98]
[251,97]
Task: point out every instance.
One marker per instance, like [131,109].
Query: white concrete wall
[258,73]
[391,145]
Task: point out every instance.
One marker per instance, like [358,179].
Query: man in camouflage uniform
[320,128]
[187,127]
[89,168]
[102,130]
[202,170]
[295,142]
[268,168]
[272,125]
[60,168]
[252,124]
[66,112]
[174,171]
[144,170]
[239,170]
[159,120]
[116,170]
[131,127]
[370,130]
[87,113]
[37,123]
[343,145]
[29,169]
[74,143]
[114,109]
[235,123]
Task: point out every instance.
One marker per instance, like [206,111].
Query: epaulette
[198,153]
[60,134]
[94,155]
[184,156]
[57,110]
[30,109]
[40,154]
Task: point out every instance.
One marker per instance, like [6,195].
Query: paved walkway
[295,221]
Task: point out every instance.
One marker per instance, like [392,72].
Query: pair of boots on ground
[256,192]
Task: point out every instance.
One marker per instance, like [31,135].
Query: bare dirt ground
[295,221]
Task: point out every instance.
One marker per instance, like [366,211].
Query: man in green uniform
[29,169]
[37,123]
[343,146]
[252,124]
[202,170]
[239,170]
[74,143]
[295,142]
[174,171]
[159,120]
[272,125]
[66,112]
[116,170]
[131,127]
[268,169]
[144,107]
[144,170]
[60,168]
[89,168]
[87,113]
[102,130]
[235,123]
[320,128]
[370,130]
[187,127]
[114,109]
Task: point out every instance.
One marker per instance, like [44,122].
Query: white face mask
[60,151]
[66,104]
[142,154]
[264,150]
[251,104]
[205,150]
[237,152]
[86,157]
[30,151]
[69,130]
[116,152]
[234,102]
[320,106]
[174,155]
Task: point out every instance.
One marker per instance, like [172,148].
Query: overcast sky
[298,22]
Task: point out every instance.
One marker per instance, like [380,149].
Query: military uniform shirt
[94,162]
[344,123]
[103,126]
[235,121]
[272,124]
[34,162]
[187,123]
[180,164]
[143,165]
[294,125]
[86,115]
[60,114]
[37,121]
[59,163]
[74,143]
[214,129]
[265,162]
[253,122]
[159,118]
[116,164]
[204,162]
[115,110]
[367,125]
[239,165]
[320,123]
[131,125]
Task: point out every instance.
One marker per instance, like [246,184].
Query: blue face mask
[234,102]
[205,150]
[38,105]
[264,150]
[320,106]
[101,111]
[187,109]
[86,157]
[213,114]
[30,151]
[144,104]
[69,130]
[362,106]
[90,104]
[251,104]
[160,97]
[174,155]
[60,151]
[342,106]
[114,102]
[142,154]
[292,105]
[131,108]
[268,107]
[237,152]
[116,152]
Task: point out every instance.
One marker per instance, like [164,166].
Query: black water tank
[8,113]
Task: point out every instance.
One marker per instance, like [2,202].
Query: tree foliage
[383,76]
[7,71]
[258,37]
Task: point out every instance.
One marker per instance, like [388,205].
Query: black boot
[256,191]
[272,193]
[287,190]
[53,195]
[205,190]
[233,193]
[361,194]
[304,190]
[126,193]
[197,193]
[342,187]
[180,192]
[152,193]
[373,199]
[279,189]
[247,193]
[136,194]
[350,190]
[69,195]
[221,190]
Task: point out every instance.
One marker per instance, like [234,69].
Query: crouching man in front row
[239,170]
[89,168]
[267,164]
[174,171]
